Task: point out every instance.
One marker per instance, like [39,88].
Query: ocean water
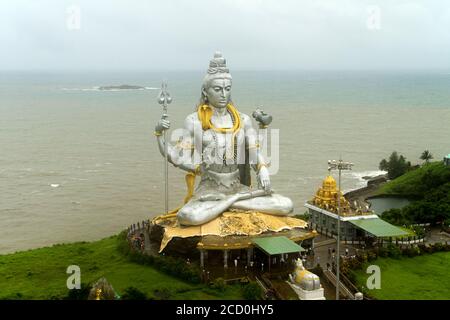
[77,163]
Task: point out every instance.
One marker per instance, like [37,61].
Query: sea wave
[359,178]
[362,174]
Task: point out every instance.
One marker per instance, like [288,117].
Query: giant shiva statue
[221,144]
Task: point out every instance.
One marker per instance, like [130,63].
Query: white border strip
[335,216]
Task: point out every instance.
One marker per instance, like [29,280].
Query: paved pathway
[322,246]
[436,235]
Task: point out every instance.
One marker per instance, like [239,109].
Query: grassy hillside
[423,277]
[429,188]
[41,273]
[417,182]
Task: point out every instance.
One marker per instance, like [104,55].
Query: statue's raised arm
[181,154]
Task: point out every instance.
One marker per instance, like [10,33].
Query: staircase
[344,291]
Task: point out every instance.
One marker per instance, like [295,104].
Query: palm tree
[426,156]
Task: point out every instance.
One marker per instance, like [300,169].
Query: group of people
[137,241]
[332,257]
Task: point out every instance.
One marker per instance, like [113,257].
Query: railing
[265,287]
[352,288]
[411,240]
[139,226]
[331,277]
[266,281]
[134,237]
[402,242]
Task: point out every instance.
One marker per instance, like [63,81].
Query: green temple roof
[379,228]
[277,245]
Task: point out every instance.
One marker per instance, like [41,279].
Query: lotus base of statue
[233,229]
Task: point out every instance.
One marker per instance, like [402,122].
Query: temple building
[246,236]
[357,223]
[447,160]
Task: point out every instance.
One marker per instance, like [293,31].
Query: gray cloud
[161,35]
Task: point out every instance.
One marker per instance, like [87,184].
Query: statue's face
[218,92]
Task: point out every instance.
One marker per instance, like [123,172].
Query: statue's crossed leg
[274,203]
[208,207]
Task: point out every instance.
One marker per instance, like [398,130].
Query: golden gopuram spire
[326,197]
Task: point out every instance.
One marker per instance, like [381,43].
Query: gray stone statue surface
[219,137]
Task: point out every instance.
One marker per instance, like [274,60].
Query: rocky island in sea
[121,87]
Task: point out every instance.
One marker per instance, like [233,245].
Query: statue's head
[216,88]
[299,264]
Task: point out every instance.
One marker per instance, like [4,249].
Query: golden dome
[326,196]
[329,184]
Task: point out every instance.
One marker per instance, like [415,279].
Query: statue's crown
[218,64]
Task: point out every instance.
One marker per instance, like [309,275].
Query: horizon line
[100,70]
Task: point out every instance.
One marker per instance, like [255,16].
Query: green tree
[395,166]
[384,165]
[426,156]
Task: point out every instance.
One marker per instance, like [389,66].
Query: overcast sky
[252,34]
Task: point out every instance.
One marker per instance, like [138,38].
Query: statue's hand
[212,197]
[163,123]
[264,178]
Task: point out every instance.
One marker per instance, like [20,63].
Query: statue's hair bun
[218,64]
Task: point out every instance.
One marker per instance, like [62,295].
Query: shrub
[132,293]
[219,284]
[394,251]
[419,231]
[354,263]
[252,291]
[371,255]
[351,276]
[363,257]
[425,248]
[411,251]
[162,294]
[173,266]
[383,252]
[79,294]
[417,251]
[446,223]
[438,247]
